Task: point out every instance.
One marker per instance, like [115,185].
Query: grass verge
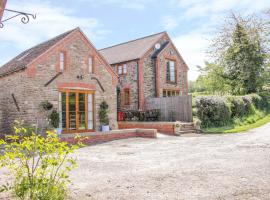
[238,128]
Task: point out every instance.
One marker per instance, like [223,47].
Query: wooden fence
[172,108]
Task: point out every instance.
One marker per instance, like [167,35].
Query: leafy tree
[211,80]
[243,62]
[212,77]
[240,47]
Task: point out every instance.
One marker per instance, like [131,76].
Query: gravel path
[205,167]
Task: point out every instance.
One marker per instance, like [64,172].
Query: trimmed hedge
[215,111]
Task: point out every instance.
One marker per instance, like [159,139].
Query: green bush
[237,106]
[265,98]
[213,111]
[257,101]
[249,107]
[39,165]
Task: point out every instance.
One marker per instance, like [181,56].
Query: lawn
[238,128]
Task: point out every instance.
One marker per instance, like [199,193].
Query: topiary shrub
[54,119]
[213,111]
[103,114]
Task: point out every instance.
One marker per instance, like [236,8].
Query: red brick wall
[94,138]
[162,127]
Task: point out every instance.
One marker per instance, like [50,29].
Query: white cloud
[192,47]
[131,4]
[169,22]
[199,8]
[50,21]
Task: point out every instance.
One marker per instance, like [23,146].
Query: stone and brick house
[68,72]
[147,67]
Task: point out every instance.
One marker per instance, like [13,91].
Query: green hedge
[215,111]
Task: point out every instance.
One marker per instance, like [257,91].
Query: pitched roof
[130,50]
[22,60]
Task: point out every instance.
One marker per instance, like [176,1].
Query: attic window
[120,69]
[90,65]
[62,58]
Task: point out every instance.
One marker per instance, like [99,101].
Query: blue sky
[190,23]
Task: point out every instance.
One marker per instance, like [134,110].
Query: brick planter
[99,137]
[162,127]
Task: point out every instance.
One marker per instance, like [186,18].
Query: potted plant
[46,105]
[103,116]
[54,121]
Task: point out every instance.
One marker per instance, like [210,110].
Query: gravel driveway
[229,166]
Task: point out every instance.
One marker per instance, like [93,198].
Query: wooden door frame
[77,91]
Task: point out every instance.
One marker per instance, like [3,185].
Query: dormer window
[90,65]
[125,69]
[120,69]
[62,58]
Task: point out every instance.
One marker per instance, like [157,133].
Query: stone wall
[181,76]
[29,89]
[129,81]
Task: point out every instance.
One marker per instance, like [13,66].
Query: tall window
[62,61]
[125,69]
[170,71]
[126,97]
[120,69]
[90,65]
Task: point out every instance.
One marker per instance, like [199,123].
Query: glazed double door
[76,110]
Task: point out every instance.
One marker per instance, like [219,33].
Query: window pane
[90,65]
[90,112]
[164,93]
[168,71]
[81,111]
[172,71]
[126,97]
[120,70]
[62,110]
[62,61]
[125,69]
[72,111]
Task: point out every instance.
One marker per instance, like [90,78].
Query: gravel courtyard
[232,166]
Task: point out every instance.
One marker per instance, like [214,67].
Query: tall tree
[240,47]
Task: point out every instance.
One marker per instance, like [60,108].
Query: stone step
[187,131]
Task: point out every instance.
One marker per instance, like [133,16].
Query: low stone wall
[162,127]
[99,137]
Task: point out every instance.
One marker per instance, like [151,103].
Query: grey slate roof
[22,60]
[131,50]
